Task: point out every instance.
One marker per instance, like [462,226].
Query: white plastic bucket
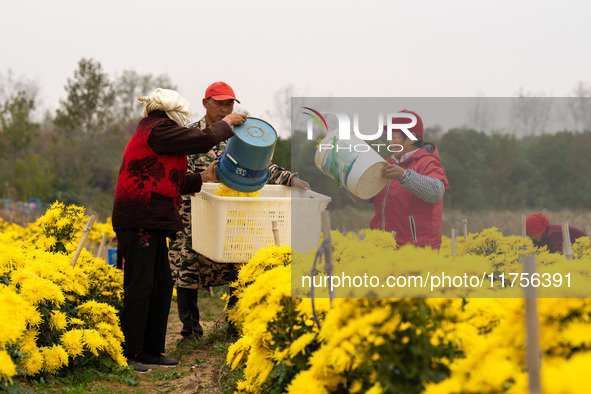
[351,163]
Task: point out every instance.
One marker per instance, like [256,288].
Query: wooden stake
[567,249]
[523,226]
[103,243]
[328,252]
[588,231]
[275,232]
[532,330]
[465,223]
[453,242]
[83,240]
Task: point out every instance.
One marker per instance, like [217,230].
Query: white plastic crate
[233,229]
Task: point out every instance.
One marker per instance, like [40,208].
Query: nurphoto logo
[345,134]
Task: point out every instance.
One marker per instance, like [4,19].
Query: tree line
[73,154]
[498,171]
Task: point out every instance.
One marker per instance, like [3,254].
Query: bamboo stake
[465,223]
[85,233]
[328,252]
[453,242]
[567,249]
[532,329]
[103,243]
[523,226]
[275,232]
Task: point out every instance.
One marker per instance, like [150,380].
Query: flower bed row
[53,315]
[411,345]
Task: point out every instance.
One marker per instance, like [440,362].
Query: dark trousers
[188,311]
[147,284]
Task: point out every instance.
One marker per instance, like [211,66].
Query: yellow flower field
[470,340]
[54,315]
[424,345]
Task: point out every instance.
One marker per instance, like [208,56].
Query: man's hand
[235,119]
[392,171]
[301,184]
[209,175]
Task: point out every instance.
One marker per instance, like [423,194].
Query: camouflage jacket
[190,269]
[199,162]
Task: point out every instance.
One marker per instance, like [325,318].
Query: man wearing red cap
[542,233]
[411,202]
[190,270]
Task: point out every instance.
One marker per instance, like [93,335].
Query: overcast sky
[335,48]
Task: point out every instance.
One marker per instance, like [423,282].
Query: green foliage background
[491,172]
[74,154]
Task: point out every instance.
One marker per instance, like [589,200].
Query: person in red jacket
[152,179]
[542,233]
[411,202]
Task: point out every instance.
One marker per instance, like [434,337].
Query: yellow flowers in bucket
[225,191]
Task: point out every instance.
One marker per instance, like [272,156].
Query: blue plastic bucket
[113,257]
[244,165]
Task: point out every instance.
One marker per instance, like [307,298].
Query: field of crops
[410,345]
[55,317]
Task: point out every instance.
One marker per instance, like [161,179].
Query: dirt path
[202,367]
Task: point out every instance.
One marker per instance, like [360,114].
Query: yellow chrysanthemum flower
[54,357]
[13,322]
[58,320]
[34,363]
[225,191]
[73,342]
[36,290]
[300,343]
[7,367]
[74,321]
[94,341]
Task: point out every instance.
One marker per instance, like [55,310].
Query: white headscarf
[169,101]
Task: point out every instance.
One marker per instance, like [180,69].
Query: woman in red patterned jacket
[151,180]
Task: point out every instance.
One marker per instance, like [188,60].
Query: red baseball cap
[536,224]
[220,91]
[417,129]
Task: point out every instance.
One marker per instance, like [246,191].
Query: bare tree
[579,106]
[280,115]
[11,85]
[130,85]
[481,115]
[531,112]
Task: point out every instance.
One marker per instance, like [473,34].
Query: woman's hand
[392,171]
